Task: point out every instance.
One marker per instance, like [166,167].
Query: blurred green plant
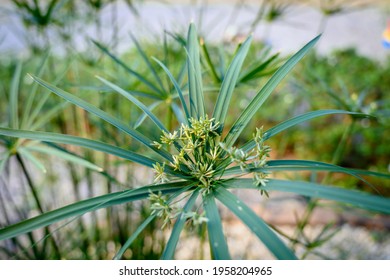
[357,84]
[197,164]
[38,111]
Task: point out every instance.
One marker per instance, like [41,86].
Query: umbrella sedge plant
[198,164]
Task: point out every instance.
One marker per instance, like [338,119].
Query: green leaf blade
[255,224]
[353,197]
[135,234]
[66,156]
[170,247]
[134,100]
[217,240]
[177,87]
[229,83]
[14,96]
[264,93]
[80,208]
[148,63]
[141,78]
[103,115]
[194,74]
[78,141]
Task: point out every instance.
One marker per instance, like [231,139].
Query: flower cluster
[168,211]
[255,159]
[201,156]
[261,154]
[198,150]
[162,208]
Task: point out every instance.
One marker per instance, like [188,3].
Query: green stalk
[14,240]
[81,227]
[38,204]
[313,203]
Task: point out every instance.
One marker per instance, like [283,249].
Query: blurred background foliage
[33,181]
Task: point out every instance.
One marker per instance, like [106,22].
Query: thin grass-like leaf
[255,224]
[298,120]
[32,92]
[141,78]
[326,166]
[148,62]
[264,93]
[170,247]
[47,116]
[178,113]
[217,240]
[80,208]
[300,165]
[14,95]
[103,115]
[66,156]
[36,112]
[194,74]
[177,87]
[229,83]
[78,141]
[143,117]
[257,70]
[26,154]
[3,161]
[305,117]
[147,221]
[138,103]
[209,62]
[135,234]
[356,198]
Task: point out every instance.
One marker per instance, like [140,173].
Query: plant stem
[313,203]
[38,203]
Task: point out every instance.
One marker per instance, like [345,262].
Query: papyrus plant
[199,163]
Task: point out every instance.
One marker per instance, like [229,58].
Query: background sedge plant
[199,164]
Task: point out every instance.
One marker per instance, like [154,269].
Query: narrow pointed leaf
[143,117]
[138,103]
[255,224]
[148,62]
[178,113]
[325,166]
[103,115]
[297,120]
[80,208]
[26,154]
[14,95]
[145,223]
[306,165]
[135,234]
[194,74]
[66,156]
[217,240]
[264,93]
[32,92]
[177,87]
[209,62]
[78,141]
[47,116]
[142,79]
[170,247]
[36,113]
[305,117]
[3,161]
[257,71]
[229,83]
[356,198]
